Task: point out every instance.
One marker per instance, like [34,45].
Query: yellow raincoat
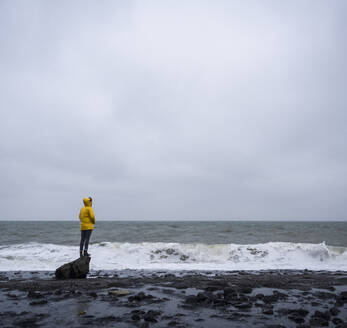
[87,216]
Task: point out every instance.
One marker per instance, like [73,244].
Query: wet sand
[179,299]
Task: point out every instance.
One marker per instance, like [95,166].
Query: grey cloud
[230,109]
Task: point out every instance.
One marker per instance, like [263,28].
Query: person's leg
[83,236]
[86,241]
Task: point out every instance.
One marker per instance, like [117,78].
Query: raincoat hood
[87,216]
[87,202]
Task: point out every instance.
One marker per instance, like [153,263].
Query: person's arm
[92,215]
[80,216]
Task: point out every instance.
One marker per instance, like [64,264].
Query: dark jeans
[85,236]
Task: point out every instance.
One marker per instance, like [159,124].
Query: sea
[177,245]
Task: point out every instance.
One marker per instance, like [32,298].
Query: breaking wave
[177,256]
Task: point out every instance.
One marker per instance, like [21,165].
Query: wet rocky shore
[175,299]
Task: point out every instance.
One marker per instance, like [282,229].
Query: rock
[334,311]
[75,269]
[324,295]
[296,318]
[274,297]
[298,312]
[212,288]
[246,290]
[38,302]
[140,297]
[342,298]
[320,319]
[119,292]
[337,321]
[136,317]
[318,322]
[324,315]
[315,303]
[151,315]
[33,294]
[268,311]
[191,299]
[230,291]
[243,305]
[205,297]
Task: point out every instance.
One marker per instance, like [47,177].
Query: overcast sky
[174,109]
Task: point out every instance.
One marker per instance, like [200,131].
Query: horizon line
[182,220]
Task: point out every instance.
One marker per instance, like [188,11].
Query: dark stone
[318,322]
[219,302]
[135,317]
[298,312]
[334,311]
[151,315]
[324,295]
[243,298]
[280,295]
[268,311]
[230,291]
[75,269]
[296,318]
[38,302]
[140,297]
[324,315]
[269,299]
[212,288]
[243,305]
[246,290]
[191,299]
[93,294]
[33,294]
[205,297]
[315,303]
[337,321]
[343,296]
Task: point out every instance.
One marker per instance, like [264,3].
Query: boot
[86,253]
[80,253]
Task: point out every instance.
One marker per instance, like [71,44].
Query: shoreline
[138,298]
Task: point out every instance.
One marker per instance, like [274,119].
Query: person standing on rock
[87,219]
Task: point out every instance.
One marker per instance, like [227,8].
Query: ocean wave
[177,256]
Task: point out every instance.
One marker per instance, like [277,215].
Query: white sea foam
[176,256]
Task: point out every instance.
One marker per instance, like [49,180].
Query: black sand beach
[183,299]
